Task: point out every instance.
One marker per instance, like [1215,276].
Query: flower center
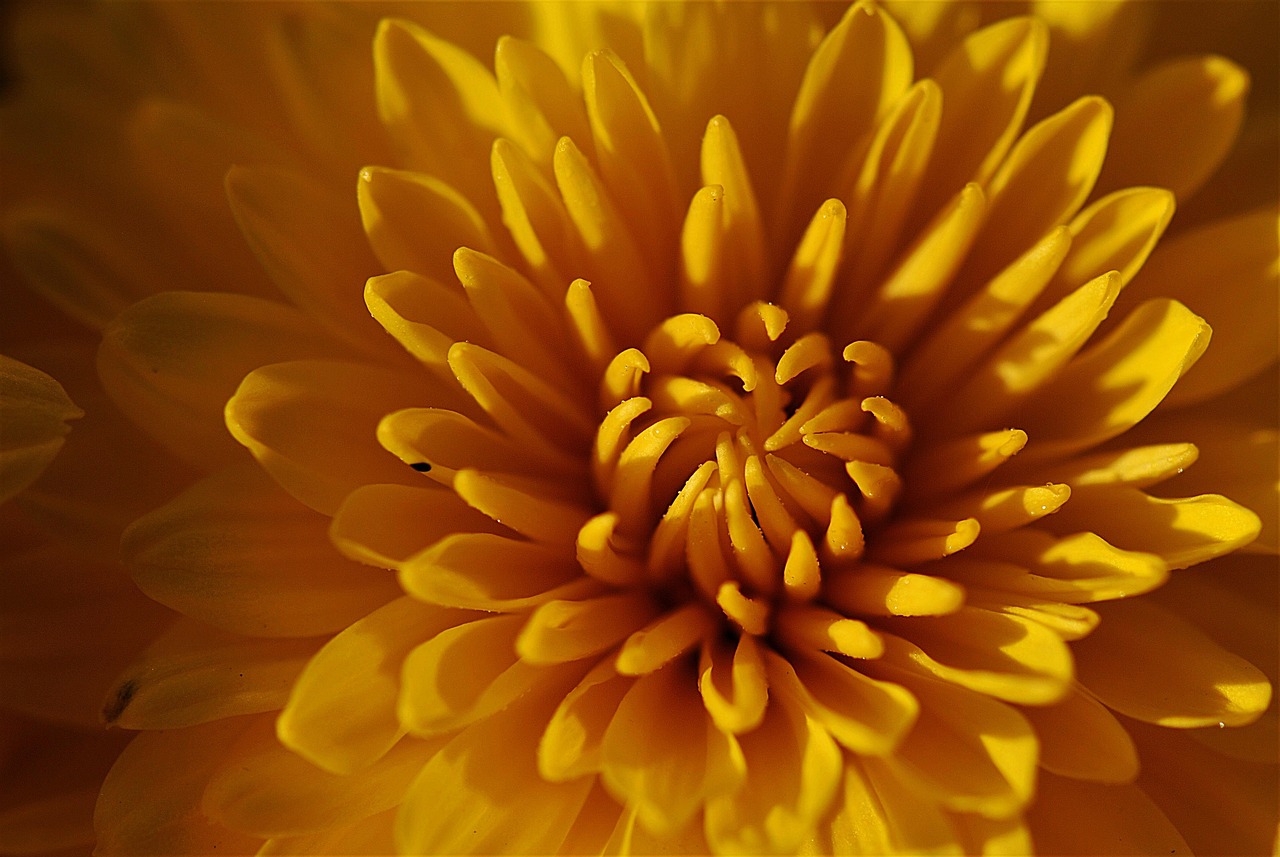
[736,473]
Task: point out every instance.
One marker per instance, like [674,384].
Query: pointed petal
[35,410]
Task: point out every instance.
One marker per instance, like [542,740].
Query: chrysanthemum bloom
[761,428]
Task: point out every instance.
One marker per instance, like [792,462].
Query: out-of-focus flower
[766,414]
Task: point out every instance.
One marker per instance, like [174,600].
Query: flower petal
[35,410]
[133,816]
[341,714]
[394,204]
[467,673]
[858,71]
[1047,176]
[1117,382]
[1176,123]
[237,552]
[193,674]
[264,788]
[309,243]
[987,81]
[662,754]
[1245,252]
[479,793]
[793,769]
[171,362]
[881,813]
[474,571]
[1008,657]
[1182,531]
[1081,739]
[383,525]
[988,769]
[1187,680]
[1078,817]
[312,425]
[441,107]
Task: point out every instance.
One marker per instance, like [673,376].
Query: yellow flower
[759,432]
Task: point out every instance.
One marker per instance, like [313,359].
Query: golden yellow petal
[662,754]
[1175,124]
[1043,182]
[427,86]
[1081,739]
[394,202]
[1244,251]
[1187,680]
[880,812]
[341,713]
[472,571]
[793,770]
[312,426]
[480,793]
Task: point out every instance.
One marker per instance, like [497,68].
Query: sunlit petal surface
[639,428]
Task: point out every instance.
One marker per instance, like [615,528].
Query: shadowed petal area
[640,428]
[35,411]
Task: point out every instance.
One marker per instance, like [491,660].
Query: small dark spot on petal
[119,702]
[421,467]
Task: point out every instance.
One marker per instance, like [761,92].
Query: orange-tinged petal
[1176,123]
[733,684]
[1081,739]
[368,837]
[382,525]
[440,105]
[1186,679]
[1079,817]
[792,772]
[266,789]
[134,817]
[74,267]
[466,673]
[867,716]
[312,425]
[310,244]
[631,152]
[480,792]
[881,813]
[473,571]
[1243,251]
[237,552]
[571,744]
[662,754]
[341,714]
[193,674]
[172,361]
[570,630]
[1008,657]
[990,771]
[394,202]
[426,318]
[35,410]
